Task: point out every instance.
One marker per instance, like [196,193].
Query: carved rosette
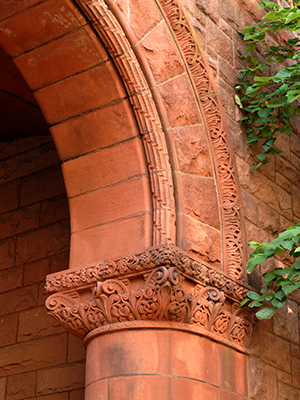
[162,287]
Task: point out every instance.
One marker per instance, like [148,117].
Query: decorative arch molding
[230,201]
[120,49]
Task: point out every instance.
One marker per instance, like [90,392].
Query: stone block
[51,21]
[8,330]
[286,392]
[262,380]
[286,322]
[18,299]
[59,379]
[43,242]
[42,185]
[21,386]
[11,279]
[36,271]
[33,355]
[36,323]
[7,252]
[18,221]
[80,93]
[9,196]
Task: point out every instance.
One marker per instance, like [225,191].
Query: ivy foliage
[269,101]
[279,282]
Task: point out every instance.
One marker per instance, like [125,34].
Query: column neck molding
[162,287]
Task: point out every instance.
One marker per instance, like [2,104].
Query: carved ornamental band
[162,287]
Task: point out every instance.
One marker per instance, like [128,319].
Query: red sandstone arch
[76,81]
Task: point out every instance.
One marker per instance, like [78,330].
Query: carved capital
[161,287]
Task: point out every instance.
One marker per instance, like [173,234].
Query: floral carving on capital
[161,287]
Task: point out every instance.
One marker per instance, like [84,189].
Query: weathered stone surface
[286,322]
[11,279]
[18,299]
[263,344]
[21,386]
[40,353]
[7,251]
[59,379]
[262,380]
[286,392]
[8,329]
[36,323]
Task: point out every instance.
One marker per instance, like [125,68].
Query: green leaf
[253,295]
[265,313]
[238,101]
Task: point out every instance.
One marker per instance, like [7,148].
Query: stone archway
[119,180]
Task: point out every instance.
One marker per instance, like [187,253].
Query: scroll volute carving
[160,287]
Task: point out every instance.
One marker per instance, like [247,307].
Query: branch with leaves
[269,101]
[279,282]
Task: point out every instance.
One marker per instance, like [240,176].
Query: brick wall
[38,358]
[271,194]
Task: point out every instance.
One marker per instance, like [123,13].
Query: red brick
[18,300]
[112,240]
[28,162]
[36,354]
[51,20]
[59,262]
[80,93]
[18,221]
[161,53]
[54,210]
[36,271]
[200,200]
[36,323]
[61,58]
[42,185]
[43,242]
[115,202]
[8,330]
[60,379]
[11,279]
[179,102]
[21,386]
[9,196]
[7,252]
[76,349]
[105,167]
[117,119]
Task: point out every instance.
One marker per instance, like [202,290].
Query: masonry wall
[271,194]
[39,359]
